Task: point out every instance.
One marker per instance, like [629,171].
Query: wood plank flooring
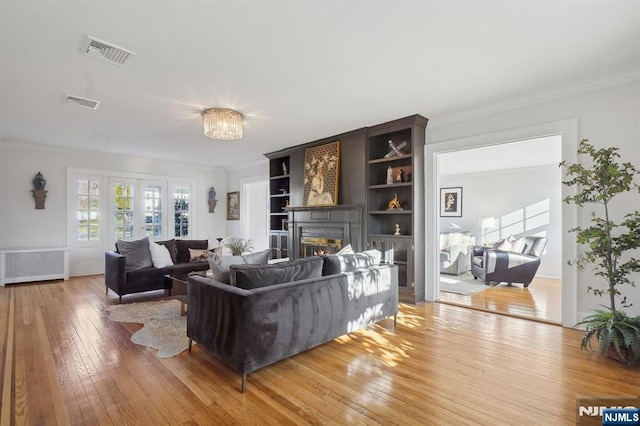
[63,362]
[541,301]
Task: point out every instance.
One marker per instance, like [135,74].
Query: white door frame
[244,182]
[568,130]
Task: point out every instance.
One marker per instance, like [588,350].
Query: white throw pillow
[160,256]
[518,245]
[511,244]
[346,250]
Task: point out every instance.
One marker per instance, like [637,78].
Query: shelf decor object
[394,204]
[321,170]
[451,202]
[395,150]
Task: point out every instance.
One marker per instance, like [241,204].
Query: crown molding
[572,89]
[30,146]
[257,163]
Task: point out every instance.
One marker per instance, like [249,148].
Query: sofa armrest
[479,250]
[215,318]
[115,266]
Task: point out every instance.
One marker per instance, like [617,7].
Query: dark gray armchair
[517,265]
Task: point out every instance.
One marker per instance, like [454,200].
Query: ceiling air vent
[106,51]
[82,102]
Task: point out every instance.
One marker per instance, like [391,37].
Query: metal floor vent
[106,51]
[82,102]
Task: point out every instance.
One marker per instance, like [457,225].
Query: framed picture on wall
[321,170]
[233,205]
[451,202]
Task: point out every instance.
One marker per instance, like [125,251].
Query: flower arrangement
[238,245]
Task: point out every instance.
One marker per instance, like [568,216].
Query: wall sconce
[39,194]
[212,200]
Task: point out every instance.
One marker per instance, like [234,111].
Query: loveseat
[511,260]
[270,312]
[131,269]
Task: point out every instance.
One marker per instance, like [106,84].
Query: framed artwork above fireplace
[321,169]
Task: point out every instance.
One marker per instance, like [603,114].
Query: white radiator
[23,265]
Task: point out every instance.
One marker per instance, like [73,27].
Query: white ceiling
[299,70]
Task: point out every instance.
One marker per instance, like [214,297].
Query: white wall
[607,117]
[24,226]
[509,193]
[255,211]
[234,178]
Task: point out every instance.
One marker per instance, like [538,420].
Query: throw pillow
[160,256]
[171,246]
[183,247]
[508,244]
[518,245]
[346,250]
[198,255]
[335,264]
[255,276]
[137,253]
[220,265]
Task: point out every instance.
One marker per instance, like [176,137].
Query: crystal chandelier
[222,124]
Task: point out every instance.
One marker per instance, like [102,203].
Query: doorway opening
[505,192]
[568,130]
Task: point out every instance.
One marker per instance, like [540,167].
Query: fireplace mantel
[346,219]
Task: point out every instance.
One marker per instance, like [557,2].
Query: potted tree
[607,244]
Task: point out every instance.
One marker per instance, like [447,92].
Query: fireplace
[325,230]
[310,246]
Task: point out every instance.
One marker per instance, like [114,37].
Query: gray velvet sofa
[124,275]
[252,327]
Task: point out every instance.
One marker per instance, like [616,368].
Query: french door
[137,208]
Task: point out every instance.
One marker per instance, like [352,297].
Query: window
[181,210]
[88,210]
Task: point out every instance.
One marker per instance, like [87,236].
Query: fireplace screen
[310,246]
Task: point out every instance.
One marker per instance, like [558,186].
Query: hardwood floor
[541,301]
[63,362]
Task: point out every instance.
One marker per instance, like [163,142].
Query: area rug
[164,328]
[461,284]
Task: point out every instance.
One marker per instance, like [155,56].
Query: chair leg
[190,342]
[120,300]
[395,320]
[244,382]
